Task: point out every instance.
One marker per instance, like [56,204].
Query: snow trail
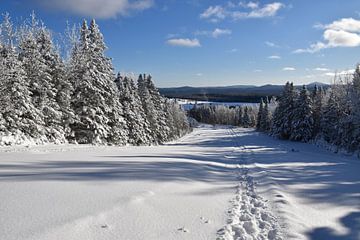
[180,190]
[249,216]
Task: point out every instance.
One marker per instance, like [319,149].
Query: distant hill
[236,93]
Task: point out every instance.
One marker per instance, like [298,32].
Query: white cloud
[341,73]
[321,69]
[184,42]
[234,50]
[218,12]
[289,69]
[199,74]
[341,33]
[217,32]
[271,44]
[269,10]
[98,8]
[258,70]
[250,4]
[346,24]
[274,57]
[214,12]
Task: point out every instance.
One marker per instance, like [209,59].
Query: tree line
[47,98]
[331,116]
[243,116]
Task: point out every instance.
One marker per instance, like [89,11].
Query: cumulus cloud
[274,57]
[289,69]
[98,8]
[341,33]
[252,10]
[184,42]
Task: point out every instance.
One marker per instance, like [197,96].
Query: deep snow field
[215,183]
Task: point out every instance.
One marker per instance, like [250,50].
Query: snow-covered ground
[215,183]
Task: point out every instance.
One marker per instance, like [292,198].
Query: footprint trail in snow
[249,216]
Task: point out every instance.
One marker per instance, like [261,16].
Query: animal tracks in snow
[249,216]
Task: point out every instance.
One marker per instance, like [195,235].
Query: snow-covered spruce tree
[20,119]
[265,123]
[38,74]
[337,127]
[317,97]
[180,125]
[139,129]
[149,108]
[58,115]
[153,105]
[246,118]
[240,116]
[302,121]
[355,111]
[260,113]
[283,115]
[159,104]
[95,100]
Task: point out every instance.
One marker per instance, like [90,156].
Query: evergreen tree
[148,106]
[163,129]
[355,111]
[283,115]
[139,131]
[240,116]
[330,118]
[246,118]
[265,122]
[96,99]
[260,113]
[302,122]
[19,116]
[317,105]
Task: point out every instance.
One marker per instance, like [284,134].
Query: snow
[214,183]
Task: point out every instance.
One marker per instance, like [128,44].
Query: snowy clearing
[215,183]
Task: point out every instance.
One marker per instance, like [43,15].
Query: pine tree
[265,122]
[153,105]
[355,111]
[19,116]
[96,98]
[240,116]
[317,100]
[330,120]
[260,113]
[148,107]
[302,122]
[283,115]
[139,131]
[246,118]
[57,112]
[163,128]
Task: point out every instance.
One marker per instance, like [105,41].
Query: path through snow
[249,216]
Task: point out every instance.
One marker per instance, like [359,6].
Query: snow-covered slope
[225,183]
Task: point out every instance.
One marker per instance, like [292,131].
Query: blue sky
[214,43]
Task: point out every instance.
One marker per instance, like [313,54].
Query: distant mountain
[236,93]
